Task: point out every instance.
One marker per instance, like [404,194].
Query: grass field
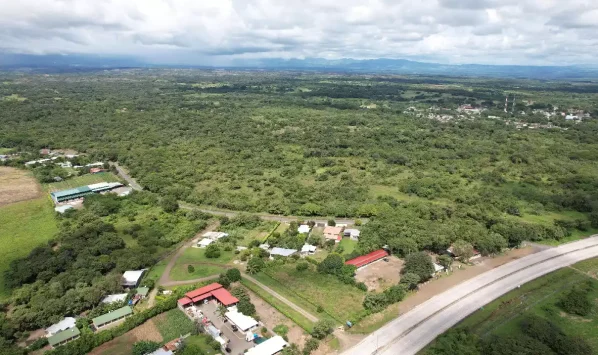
[82,181]
[197,258]
[197,255]
[180,272]
[173,324]
[348,245]
[310,289]
[17,185]
[201,340]
[290,313]
[540,297]
[23,226]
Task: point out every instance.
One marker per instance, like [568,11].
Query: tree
[456,341]
[420,264]
[302,266]
[224,280]
[331,222]
[311,345]
[332,264]
[322,328]
[212,251]
[402,246]
[190,269]
[233,274]
[145,347]
[491,243]
[446,261]
[255,265]
[375,302]
[463,250]
[577,301]
[246,307]
[410,280]
[169,204]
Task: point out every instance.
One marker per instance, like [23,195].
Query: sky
[530,32]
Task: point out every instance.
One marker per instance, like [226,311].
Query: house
[204,242]
[437,268]
[119,297]
[63,208]
[3,157]
[364,260]
[161,351]
[333,233]
[215,235]
[264,246]
[272,346]
[282,252]
[304,228]
[131,278]
[96,170]
[476,254]
[82,191]
[64,324]
[243,322]
[104,186]
[111,317]
[352,233]
[213,291]
[308,249]
[64,337]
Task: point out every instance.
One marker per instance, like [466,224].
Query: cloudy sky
[213,31]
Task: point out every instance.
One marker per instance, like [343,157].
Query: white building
[215,235]
[204,242]
[118,297]
[308,249]
[243,322]
[63,208]
[437,268]
[66,323]
[352,233]
[282,251]
[131,278]
[304,228]
[271,346]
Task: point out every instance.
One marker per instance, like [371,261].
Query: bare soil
[381,274]
[271,317]
[124,343]
[17,185]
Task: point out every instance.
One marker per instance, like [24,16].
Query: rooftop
[63,335]
[133,276]
[115,298]
[269,347]
[109,317]
[368,258]
[143,291]
[69,192]
[282,251]
[66,323]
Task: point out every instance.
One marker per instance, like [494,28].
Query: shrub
[246,307]
[576,301]
[410,280]
[362,286]
[332,264]
[190,269]
[233,274]
[420,264]
[375,302]
[255,265]
[322,328]
[212,251]
[281,330]
[302,266]
[310,345]
[145,347]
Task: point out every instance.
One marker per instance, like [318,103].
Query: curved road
[412,331]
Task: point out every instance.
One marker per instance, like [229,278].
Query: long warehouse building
[82,191]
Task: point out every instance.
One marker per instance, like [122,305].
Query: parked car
[234,327]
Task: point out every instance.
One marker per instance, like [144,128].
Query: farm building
[64,337]
[364,260]
[333,233]
[352,233]
[304,228]
[282,252]
[204,242]
[243,322]
[82,191]
[271,346]
[215,235]
[214,291]
[308,249]
[119,297]
[66,323]
[111,317]
[63,208]
[131,278]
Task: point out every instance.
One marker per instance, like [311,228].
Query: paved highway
[412,331]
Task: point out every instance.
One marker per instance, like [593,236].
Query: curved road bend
[412,331]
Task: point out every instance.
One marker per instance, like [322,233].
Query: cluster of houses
[201,306]
[66,330]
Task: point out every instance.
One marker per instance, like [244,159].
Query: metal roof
[142,291]
[282,251]
[66,323]
[368,258]
[109,317]
[69,192]
[63,335]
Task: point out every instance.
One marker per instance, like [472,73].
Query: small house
[64,324]
[264,246]
[111,317]
[308,249]
[64,337]
[96,170]
[213,291]
[352,233]
[119,297]
[271,346]
[333,233]
[204,242]
[131,278]
[142,292]
[304,228]
[215,235]
[282,252]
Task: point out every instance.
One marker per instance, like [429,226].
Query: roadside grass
[548,219]
[376,321]
[81,181]
[540,297]
[287,311]
[198,255]
[23,226]
[201,341]
[180,272]
[311,289]
[172,324]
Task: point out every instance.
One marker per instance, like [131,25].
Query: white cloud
[464,31]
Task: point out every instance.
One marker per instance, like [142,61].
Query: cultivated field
[124,343]
[17,185]
[81,181]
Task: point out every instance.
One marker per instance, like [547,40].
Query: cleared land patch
[17,185]
[81,181]
[124,343]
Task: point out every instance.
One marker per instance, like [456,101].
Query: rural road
[411,332]
[125,175]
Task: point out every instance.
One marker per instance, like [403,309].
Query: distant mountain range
[69,63]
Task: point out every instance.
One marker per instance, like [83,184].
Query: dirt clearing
[124,343]
[17,185]
[381,274]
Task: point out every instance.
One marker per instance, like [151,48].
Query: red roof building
[368,258]
[212,290]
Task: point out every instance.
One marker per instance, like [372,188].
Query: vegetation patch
[173,323]
[82,181]
[17,185]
